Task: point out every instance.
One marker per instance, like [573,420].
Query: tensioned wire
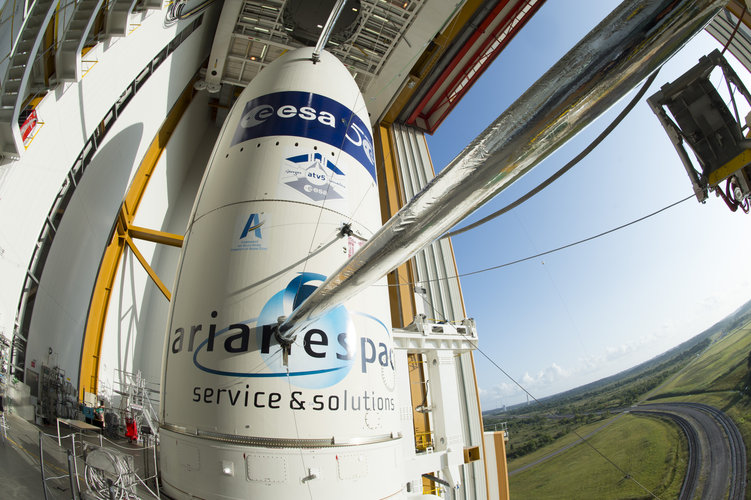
[557,249]
[626,475]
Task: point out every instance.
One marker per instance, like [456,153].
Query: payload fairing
[289,194]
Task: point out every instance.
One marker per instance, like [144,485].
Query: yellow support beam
[499,441]
[737,7]
[727,169]
[142,233]
[100,300]
[151,158]
[100,297]
[149,270]
[401,296]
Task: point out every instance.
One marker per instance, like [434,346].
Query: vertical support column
[444,393]
[495,449]
[71,472]
[411,164]
[402,297]
[222,40]
[41,464]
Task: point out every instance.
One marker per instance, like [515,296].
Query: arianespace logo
[249,231]
[304,114]
[314,176]
[322,356]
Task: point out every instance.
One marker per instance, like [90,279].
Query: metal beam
[634,40]
[486,42]
[149,270]
[222,38]
[92,340]
[100,299]
[142,233]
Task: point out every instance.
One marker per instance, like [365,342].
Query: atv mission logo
[304,114]
[314,176]
[249,232]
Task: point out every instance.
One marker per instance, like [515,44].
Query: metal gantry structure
[431,79]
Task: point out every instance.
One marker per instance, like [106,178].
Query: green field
[715,378]
[710,369]
[649,449]
[720,368]
[569,438]
[534,427]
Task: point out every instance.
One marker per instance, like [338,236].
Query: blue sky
[575,316]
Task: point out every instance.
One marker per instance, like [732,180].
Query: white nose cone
[294,162]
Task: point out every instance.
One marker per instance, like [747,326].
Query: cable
[626,475]
[175,11]
[518,261]
[622,226]
[297,433]
[735,30]
[568,165]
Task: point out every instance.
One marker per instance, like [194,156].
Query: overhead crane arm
[628,45]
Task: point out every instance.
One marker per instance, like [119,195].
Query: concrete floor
[20,474]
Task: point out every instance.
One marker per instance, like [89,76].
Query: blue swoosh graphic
[370,316]
[254,375]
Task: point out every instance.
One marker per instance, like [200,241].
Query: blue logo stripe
[267,375]
[370,316]
[255,375]
[304,114]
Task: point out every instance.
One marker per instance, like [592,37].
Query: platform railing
[66,465]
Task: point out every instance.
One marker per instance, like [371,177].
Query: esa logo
[263,112]
[308,115]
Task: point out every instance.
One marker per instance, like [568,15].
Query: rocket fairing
[294,162]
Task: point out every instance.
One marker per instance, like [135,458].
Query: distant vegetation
[532,427]
[746,384]
[713,368]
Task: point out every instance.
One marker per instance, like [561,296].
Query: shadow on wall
[133,335]
[143,323]
[71,269]
[184,171]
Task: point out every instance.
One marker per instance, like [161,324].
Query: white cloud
[613,358]
[643,347]
[556,378]
[538,385]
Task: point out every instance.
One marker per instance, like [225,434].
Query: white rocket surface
[294,163]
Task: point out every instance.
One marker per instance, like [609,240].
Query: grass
[651,450]
[654,451]
[538,425]
[720,368]
[714,378]
[566,440]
